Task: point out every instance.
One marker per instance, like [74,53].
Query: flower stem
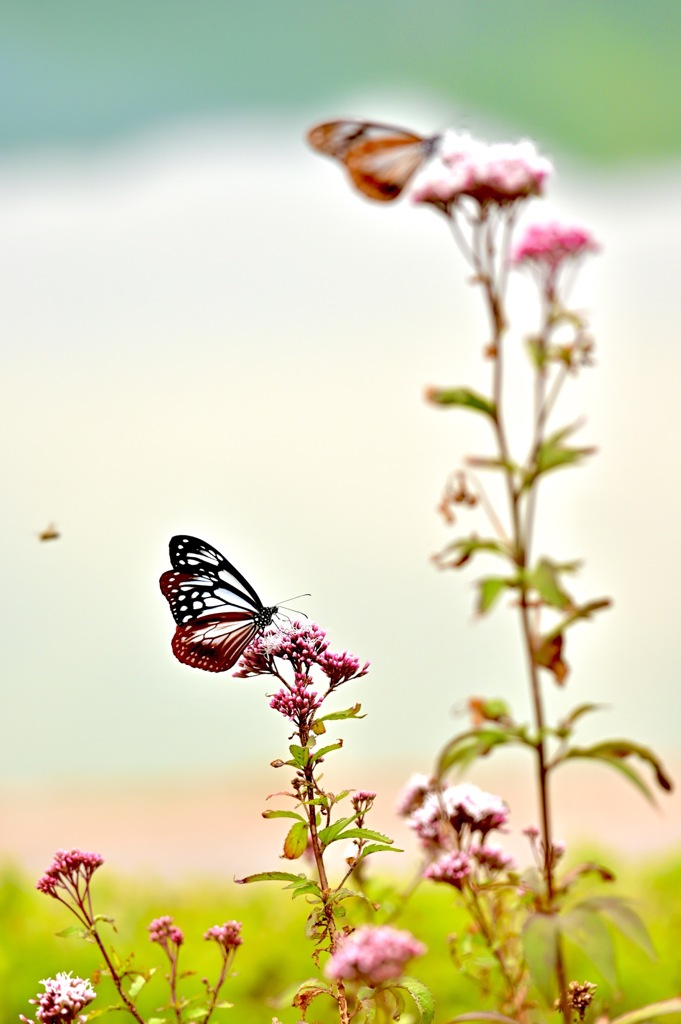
[116,978]
[310,790]
[521,538]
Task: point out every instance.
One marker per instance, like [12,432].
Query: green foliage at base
[274,957]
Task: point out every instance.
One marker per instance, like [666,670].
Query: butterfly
[380,159]
[217,611]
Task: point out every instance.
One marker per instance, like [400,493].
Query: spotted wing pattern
[217,611]
[380,159]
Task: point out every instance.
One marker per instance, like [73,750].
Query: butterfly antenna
[296,610]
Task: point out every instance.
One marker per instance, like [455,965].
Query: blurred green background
[601,80]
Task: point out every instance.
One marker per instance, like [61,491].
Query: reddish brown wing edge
[232,632]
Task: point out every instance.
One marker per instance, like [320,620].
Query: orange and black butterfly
[380,159]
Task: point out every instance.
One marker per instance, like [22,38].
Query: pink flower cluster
[227,935]
[298,702]
[69,868]
[447,822]
[374,955]
[362,800]
[452,868]
[464,808]
[163,931]
[63,999]
[455,867]
[303,645]
[551,244]
[498,173]
[413,793]
[492,857]
[557,850]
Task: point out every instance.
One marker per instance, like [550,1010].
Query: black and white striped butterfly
[217,611]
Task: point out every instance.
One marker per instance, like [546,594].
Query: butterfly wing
[202,582]
[217,611]
[215,642]
[380,159]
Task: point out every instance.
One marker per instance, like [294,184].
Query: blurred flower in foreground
[374,955]
[413,793]
[499,173]
[453,869]
[552,244]
[465,808]
[63,999]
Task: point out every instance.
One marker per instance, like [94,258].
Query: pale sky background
[207,331]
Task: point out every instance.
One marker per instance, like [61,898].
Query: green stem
[485,266]
[477,913]
[117,980]
[310,789]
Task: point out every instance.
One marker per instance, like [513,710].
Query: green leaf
[626,748]
[544,579]
[283,814]
[631,774]
[285,998]
[584,611]
[73,929]
[351,894]
[197,1013]
[319,754]
[463,397]
[540,937]
[295,843]
[463,549]
[334,716]
[490,589]
[554,454]
[137,985]
[468,746]
[272,876]
[368,1008]
[300,755]
[328,834]
[398,1000]
[308,991]
[423,1000]
[364,833]
[588,867]
[577,713]
[588,932]
[378,848]
[484,462]
[537,351]
[624,918]
[615,753]
[306,888]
